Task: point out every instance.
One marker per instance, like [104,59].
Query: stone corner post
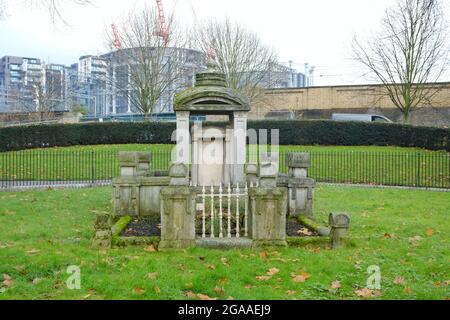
[178,210]
[340,223]
[301,188]
[268,208]
[103,233]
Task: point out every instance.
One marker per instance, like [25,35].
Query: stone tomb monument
[211,196]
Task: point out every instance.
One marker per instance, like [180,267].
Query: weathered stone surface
[340,223]
[225,243]
[268,211]
[103,239]
[298,160]
[211,94]
[177,217]
[251,170]
[179,174]
[102,221]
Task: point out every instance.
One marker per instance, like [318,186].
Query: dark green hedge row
[291,133]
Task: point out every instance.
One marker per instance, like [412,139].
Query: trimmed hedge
[291,133]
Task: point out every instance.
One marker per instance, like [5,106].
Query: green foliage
[291,133]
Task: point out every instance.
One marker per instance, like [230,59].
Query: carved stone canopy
[211,95]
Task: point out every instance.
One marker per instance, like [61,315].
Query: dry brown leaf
[304,232]
[224,261]
[33,251]
[407,290]
[400,280]
[150,249]
[157,290]
[191,295]
[205,297]
[249,286]
[138,290]
[273,272]
[219,290]
[7,281]
[387,236]
[263,278]
[430,232]
[211,266]
[364,293]
[264,254]
[302,277]
[291,293]
[336,285]
[415,239]
[152,276]
[447,283]
[223,281]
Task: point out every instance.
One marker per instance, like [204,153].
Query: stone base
[176,244]
[217,243]
[269,243]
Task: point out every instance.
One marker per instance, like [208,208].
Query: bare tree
[408,53]
[54,6]
[239,54]
[153,64]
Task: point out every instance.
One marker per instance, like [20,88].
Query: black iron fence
[78,168]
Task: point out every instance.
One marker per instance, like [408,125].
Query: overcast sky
[317,31]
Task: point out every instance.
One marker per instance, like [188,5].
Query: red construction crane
[117,41]
[163,28]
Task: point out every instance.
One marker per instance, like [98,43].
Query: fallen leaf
[302,277]
[211,267]
[223,281]
[291,293]
[249,286]
[224,261]
[230,298]
[273,272]
[317,250]
[415,239]
[205,297]
[152,276]
[430,232]
[157,290]
[191,295]
[447,283]
[364,293]
[33,251]
[304,232]
[138,290]
[150,249]
[336,285]
[407,290]
[264,254]
[263,278]
[7,281]
[400,280]
[219,290]
[387,236]
[36,281]
[87,296]
[202,258]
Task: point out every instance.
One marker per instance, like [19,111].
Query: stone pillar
[268,211]
[340,223]
[239,147]
[301,188]
[183,137]
[268,206]
[177,211]
[128,163]
[268,170]
[103,234]
[144,160]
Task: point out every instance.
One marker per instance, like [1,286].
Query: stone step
[225,243]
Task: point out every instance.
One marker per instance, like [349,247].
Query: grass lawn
[366,165]
[404,232]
